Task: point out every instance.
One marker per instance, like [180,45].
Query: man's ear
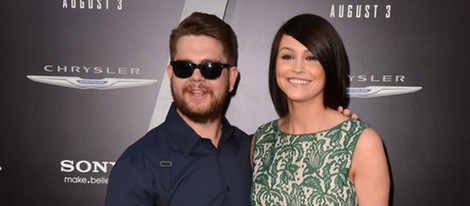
[169,71]
[233,74]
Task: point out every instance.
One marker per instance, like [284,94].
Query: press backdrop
[83,79]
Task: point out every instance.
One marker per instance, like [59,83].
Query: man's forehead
[199,49]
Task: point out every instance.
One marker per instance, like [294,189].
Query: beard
[212,112]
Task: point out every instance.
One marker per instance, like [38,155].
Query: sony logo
[84,166]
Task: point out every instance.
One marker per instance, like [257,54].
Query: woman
[314,155]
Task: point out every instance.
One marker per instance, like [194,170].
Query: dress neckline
[276,128]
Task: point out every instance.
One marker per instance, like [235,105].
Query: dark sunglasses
[209,70]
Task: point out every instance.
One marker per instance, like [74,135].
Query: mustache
[196,86]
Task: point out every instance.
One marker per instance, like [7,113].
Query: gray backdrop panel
[45,128]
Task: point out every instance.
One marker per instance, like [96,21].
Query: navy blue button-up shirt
[201,174]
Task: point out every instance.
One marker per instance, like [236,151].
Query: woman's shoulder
[270,127]
[271,124]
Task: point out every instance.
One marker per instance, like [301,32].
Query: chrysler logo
[380,91]
[98,84]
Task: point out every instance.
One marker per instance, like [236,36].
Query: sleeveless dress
[304,169]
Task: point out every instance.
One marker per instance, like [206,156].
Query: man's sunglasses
[209,70]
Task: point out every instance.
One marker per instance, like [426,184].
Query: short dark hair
[207,25]
[320,38]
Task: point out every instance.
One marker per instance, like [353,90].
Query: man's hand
[346,112]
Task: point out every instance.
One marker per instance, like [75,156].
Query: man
[195,157]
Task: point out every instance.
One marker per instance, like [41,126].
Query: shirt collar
[185,136]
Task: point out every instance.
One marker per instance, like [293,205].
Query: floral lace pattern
[305,169]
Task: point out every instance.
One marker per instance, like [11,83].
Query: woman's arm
[369,170]
[251,149]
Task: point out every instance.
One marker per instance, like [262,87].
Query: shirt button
[228,189]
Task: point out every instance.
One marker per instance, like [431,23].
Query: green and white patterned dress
[305,169]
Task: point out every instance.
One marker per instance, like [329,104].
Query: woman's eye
[312,58]
[285,56]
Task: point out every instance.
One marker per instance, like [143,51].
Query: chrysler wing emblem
[380,91]
[98,84]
